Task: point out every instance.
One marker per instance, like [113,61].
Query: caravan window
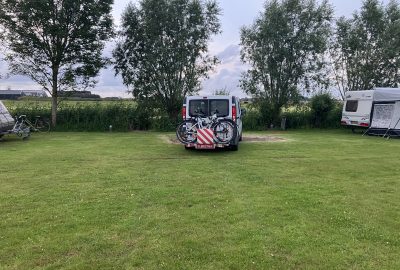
[351,105]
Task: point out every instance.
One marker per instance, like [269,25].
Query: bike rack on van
[207,133]
[206,141]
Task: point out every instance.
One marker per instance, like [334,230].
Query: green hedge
[252,120]
[305,117]
[121,116]
[298,117]
[126,116]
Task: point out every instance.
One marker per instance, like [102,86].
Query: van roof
[209,97]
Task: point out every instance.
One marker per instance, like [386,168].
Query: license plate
[354,122]
[205,146]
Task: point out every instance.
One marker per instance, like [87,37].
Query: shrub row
[126,116]
[298,117]
[121,116]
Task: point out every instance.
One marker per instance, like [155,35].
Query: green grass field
[321,200]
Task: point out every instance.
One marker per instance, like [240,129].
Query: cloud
[227,74]
[15,82]
[110,85]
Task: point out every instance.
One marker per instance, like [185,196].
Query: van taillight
[234,115]
[184,113]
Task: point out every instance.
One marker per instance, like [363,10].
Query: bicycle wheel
[225,131]
[42,125]
[23,130]
[187,132]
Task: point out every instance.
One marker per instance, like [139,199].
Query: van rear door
[206,107]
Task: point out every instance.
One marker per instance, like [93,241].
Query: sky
[235,14]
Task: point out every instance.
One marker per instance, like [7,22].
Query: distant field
[47,103]
[320,200]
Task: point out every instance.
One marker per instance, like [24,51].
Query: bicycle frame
[20,128]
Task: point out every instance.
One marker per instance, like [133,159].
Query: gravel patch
[246,139]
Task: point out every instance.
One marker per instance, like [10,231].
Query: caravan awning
[386,94]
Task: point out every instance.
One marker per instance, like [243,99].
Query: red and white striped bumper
[205,136]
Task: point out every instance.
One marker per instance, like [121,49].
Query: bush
[298,117]
[126,116]
[253,120]
[333,119]
[122,116]
[321,107]
[305,117]
[163,123]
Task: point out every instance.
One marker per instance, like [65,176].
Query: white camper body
[378,110]
[357,108]
[6,120]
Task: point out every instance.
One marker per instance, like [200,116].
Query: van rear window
[351,105]
[207,107]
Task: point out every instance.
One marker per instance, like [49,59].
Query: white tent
[386,112]
[6,120]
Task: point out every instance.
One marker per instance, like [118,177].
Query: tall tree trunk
[54,97]
[54,109]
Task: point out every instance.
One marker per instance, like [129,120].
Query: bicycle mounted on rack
[207,132]
[210,122]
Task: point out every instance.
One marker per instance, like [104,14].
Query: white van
[357,109]
[226,107]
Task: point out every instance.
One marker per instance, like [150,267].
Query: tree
[222,92]
[365,49]
[162,52]
[57,43]
[285,50]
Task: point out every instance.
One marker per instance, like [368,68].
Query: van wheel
[234,147]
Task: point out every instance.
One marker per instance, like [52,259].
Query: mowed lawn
[321,200]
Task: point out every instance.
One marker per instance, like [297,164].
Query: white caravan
[6,120]
[357,108]
[378,110]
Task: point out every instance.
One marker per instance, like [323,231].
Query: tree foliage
[366,48]
[321,105]
[222,92]
[162,51]
[285,51]
[57,43]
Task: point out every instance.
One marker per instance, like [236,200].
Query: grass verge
[321,200]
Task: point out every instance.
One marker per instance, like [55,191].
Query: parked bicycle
[23,126]
[224,130]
